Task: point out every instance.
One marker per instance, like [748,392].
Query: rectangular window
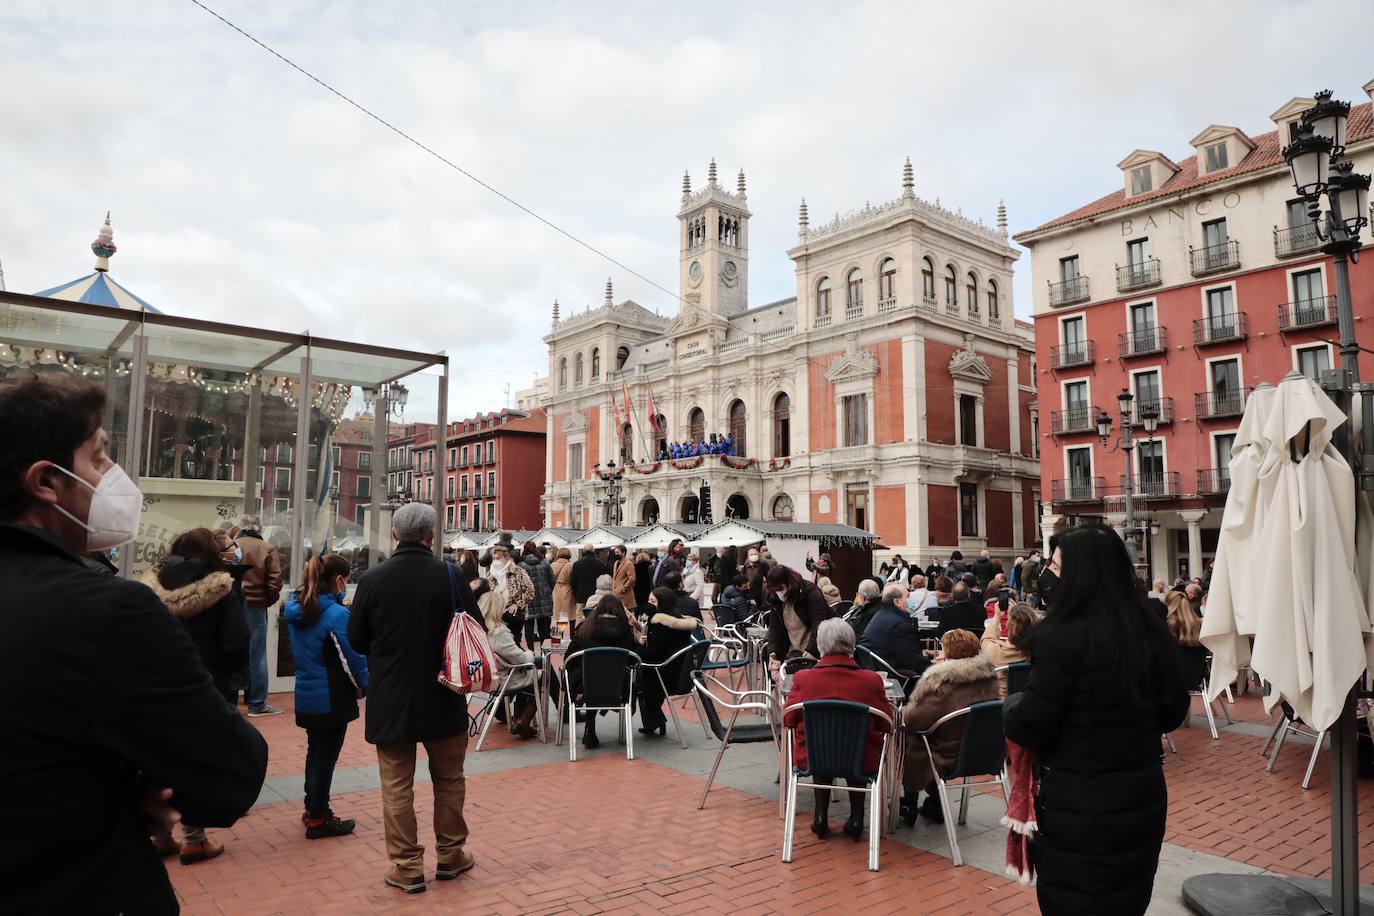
[334,483]
[1216,157]
[968,510]
[968,420]
[1077,413]
[855,410]
[927,282]
[1221,457]
[365,486]
[1068,269]
[1143,319]
[1141,180]
[575,469]
[452,457]
[476,486]
[448,516]
[281,480]
[1313,361]
[1146,389]
[1226,394]
[1214,233]
[1137,252]
[462,516]
[491,450]
[1308,294]
[280,506]
[365,461]
[448,490]
[464,459]
[312,456]
[491,483]
[1150,461]
[261,471]
[1075,339]
[491,516]
[1221,312]
[463,487]
[283,453]
[1080,463]
[856,507]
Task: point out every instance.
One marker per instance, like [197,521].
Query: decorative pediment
[691,318]
[1143,156]
[968,365]
[575,423]
[856,364]
[1218,132]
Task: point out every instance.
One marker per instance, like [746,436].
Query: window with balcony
[739,426]
[1217,478]
[887,285]
[968,420]
[927,281]
[1072,286]
[448,491]
[491,516]
[462,516]
[951,284]
[854,411]
[854,294]
[1218,252]
[448,516]
[1221,313]
[1227,397]
[463,487]
[1143,334]
[1080,467]
[491,483]
[627,442]
[971,293]
[1309,306]
[696,425]
[1146,385]
[1141,180]
[1074,346]
[283,453]
[575,468]
[491,450]
[477,478]
[452,458]
[968,510]
[1150,467]
[823,302]
[1077,412]
[1313,361]
[365,487]
[281,480]
[577,371]
[994,309]
[463,457]
[365,461]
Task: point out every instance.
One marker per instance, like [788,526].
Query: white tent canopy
[650,537]
[558,537]
[604,536]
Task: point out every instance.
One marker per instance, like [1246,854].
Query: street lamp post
[1148,414]
[611,478]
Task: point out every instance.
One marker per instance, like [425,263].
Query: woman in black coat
[644,579]
[796,609]
[669,632]
[606,625]
[1104,686]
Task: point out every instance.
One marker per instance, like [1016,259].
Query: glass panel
[1308,297]
[1137,252]
[1313,361]
[1068,269]
[1221,312]
[1214,233]
[1151,460]
[1146,388]
[1080,464]
[1076,396]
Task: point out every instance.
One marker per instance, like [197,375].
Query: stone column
[1049,524]
[1194,517]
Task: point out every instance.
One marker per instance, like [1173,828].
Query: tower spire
[610,294]
[908,180]
[555,313]
[740,185]
[104,246]
[686,185]
[1001,219]
[803,223]
[711,174]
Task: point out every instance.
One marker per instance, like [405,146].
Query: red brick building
[491,470]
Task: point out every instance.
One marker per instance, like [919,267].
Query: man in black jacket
[894,635]
[111,706]
[984,569]
[963,613]
[584,574]
[687,606]
[399,620]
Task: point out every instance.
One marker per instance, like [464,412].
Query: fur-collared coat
[205,602]
[946,686]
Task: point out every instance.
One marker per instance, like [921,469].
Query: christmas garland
[686,464]
[645,469]
[739,464]
[778,463]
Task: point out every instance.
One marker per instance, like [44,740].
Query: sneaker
[449,872]
[411,884]
[320,827]
[265,711]
[192,853]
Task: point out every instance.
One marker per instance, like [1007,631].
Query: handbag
[469,663]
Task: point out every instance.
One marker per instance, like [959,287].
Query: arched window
[689,509]
[823,299]
[621,355]
[596,364]
[627,443]
[696,425]
[782,508]
[993,306]
[648,511]
[562,373]
[782,426]
[577,371]
[971,293]
[737,506]
[928,280]
[951,284]
[887,283]
[738,427]
[854,294]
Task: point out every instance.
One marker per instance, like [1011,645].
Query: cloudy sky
[242,191]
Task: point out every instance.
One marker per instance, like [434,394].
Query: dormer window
[1145,171]
[1216,157]
[1220,147]
[1141,180]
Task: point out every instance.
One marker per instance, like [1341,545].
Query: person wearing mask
[934,571]
[261,584]
[623,577]
[401,614]
[330,677]
[893,635]
[866,601]
[585,572]
[900,572]
[755,570]
[644,578]
[1104,686]
[837,677]
[564,603]
[727,564]
[514,586]
[921,599]
[539,615]
[693,583]
[607,624]
[668,632]
[959,678]
[503,539]
[796,609]
[686,605]
[734,603]
[963,612]
[497,619]
[1016,622]
[128,730]
[194,583]
[663,564]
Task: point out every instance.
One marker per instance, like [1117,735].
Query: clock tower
[713,235]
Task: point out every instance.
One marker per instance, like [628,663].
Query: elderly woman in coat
[509,655]
[961,677]
[564,604]
[838,677]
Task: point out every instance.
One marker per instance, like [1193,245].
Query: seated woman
[830,590]
[1017,621]
[499,620]
[837,677]
[1185,626]
[607,624]
[960,677]
[669,632]
[734,603]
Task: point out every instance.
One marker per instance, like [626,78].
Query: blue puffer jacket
[329,674]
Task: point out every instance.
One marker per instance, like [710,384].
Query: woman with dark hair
[644,578]
[193,581]
[330,677]
[797,609]
[539,616]
[669,631]
[1104,686]
[727,564]
[606,624]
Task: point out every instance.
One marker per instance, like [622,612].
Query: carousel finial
[104,246]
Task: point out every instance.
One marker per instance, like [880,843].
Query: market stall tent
[791,543]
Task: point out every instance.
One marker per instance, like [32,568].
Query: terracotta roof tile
[1267,153]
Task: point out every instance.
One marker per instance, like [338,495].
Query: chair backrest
[604,675]
[1192,665]
[836,738]
[844,607]
[797,663]
[708,705]
[872,661]
[983,746]
[1018,675]
[693,657]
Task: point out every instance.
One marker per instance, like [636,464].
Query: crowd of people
[715,444]
[136,727]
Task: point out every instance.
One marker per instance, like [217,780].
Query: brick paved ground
[607,835]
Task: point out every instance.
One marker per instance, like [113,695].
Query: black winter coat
[963,616]
[399,619]
[644,582]
[210,608]
[811,607]
[541,577]
[984,570]
[895,636]
[605,631]
[1102,802]
[111,698]
[584,574]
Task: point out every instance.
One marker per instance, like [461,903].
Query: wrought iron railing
[1224,402]
[1074,289]
[1213,258]
[1307,313]
[1075,353]
[1295,240]
[1142,341]
[1214,481]
[1219,328]
[1073,420]
[1078,490]
[1138,276]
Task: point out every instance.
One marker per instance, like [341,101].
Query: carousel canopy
[98,287]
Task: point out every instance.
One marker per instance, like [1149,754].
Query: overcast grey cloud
[242,191]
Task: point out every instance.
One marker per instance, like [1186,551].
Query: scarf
[498,576]
[1020,816]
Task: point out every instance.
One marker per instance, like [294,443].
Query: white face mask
[116,504]
[782,596]
[498,565]
[753,558]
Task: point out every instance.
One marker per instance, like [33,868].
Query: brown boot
[165,845]
[192,853]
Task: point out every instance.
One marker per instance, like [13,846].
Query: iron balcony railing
[1214,258]
[1078,490]
[1214,481]
[1153,485]
[1073,420]
[1142,341]
[1225,402]
[1295,240]
[1219,328]
[1074,289]
[1164,410]
[1066,356]
[1138,276]
[1307,313]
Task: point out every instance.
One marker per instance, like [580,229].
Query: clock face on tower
[694,272]
[729,273]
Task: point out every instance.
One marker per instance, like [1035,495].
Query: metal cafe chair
[1018,676]
[982,752]
[730,732]
[872,661]
[836,735]
[1193,665]
[503,695]
[1291,723]
[608,683]
[691,658]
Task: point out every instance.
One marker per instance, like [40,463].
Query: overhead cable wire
[439,156]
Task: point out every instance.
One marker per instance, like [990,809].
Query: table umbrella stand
[1315,160]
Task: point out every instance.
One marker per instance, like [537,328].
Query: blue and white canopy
[98,287]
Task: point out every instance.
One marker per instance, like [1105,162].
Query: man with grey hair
[399,620]
[584,574]
[866,600]
[262,583]
[895,636]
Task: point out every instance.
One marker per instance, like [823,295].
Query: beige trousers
[396,763]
